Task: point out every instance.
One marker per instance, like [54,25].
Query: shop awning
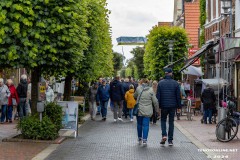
[198,54]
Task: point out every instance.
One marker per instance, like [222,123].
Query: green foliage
[203,14]
[118,62]
[42,34]
[157,52]
[32,128]
[98,59]
[138,54]
[54,112]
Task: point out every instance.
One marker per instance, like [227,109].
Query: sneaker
[120,119]
[170,143]
[115,120]
[144,143]
[163,140]
[104,118]
[131,120]
[10,121]
[139,141]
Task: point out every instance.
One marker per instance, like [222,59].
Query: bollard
[40,109]
[222,113]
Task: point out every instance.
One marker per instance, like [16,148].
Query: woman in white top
[49,93]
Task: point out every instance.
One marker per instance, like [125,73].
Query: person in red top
[13,100]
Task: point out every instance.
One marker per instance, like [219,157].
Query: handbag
[14,101]
[136,106]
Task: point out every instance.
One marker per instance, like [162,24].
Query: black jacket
[22,89]
[208,98]
[116,91]
[168,93]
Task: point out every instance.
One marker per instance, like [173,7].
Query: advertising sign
[191,52]
[41,91]
[69,115]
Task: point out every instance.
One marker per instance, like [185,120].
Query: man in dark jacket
[103,98]
[22,94]
[168,95]
[117,97]
[208,99]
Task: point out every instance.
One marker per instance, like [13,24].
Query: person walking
[4,95]
[168,95]
[117,97]
[129,97]
[98,106]
[49,93]
[126,85]
[153,119]
[103,98]
[208,99]
[92,100]
[146,100]
[22,94]
[13,100]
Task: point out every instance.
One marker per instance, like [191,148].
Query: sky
[136,18]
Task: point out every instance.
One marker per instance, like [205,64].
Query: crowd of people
[15,102]
[151,96]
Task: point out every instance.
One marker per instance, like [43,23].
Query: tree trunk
[35,75]
[67,88]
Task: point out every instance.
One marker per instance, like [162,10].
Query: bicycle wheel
[226,129]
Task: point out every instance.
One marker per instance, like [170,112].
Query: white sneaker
[120,119]
[144,143]
[131,120]
[115,120]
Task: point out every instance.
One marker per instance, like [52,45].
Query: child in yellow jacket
[130,101]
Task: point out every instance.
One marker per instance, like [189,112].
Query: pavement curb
[47,151]
[196,142]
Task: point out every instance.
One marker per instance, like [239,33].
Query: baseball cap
[168,70]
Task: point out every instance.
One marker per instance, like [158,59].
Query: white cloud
[136,18]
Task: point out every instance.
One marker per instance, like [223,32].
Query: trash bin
[222,113]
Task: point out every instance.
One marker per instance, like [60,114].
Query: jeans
[207,113]
[131,113]
[164,113]
[104,108]
[22,107]
[118,105]
[143,127]
[9,112]
[125,109]
[3,115]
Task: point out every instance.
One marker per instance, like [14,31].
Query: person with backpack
[208,99]
[130,101]
[117,97]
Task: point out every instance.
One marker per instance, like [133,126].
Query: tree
[118,62]
[138,54]
[42,35]
[157,52]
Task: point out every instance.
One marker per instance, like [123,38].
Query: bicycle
[228,125]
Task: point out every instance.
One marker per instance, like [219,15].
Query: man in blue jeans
[103,95]
[168,95]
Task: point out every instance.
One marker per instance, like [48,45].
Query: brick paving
[99,140]
[17,150]
[205,133]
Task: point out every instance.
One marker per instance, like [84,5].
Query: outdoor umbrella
[191,70]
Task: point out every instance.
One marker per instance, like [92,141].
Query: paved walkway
[17,150]
[205,133]
[99,140]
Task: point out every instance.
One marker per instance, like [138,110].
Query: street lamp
[227,10]
[170,46]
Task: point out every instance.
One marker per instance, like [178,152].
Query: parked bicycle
[227,128]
